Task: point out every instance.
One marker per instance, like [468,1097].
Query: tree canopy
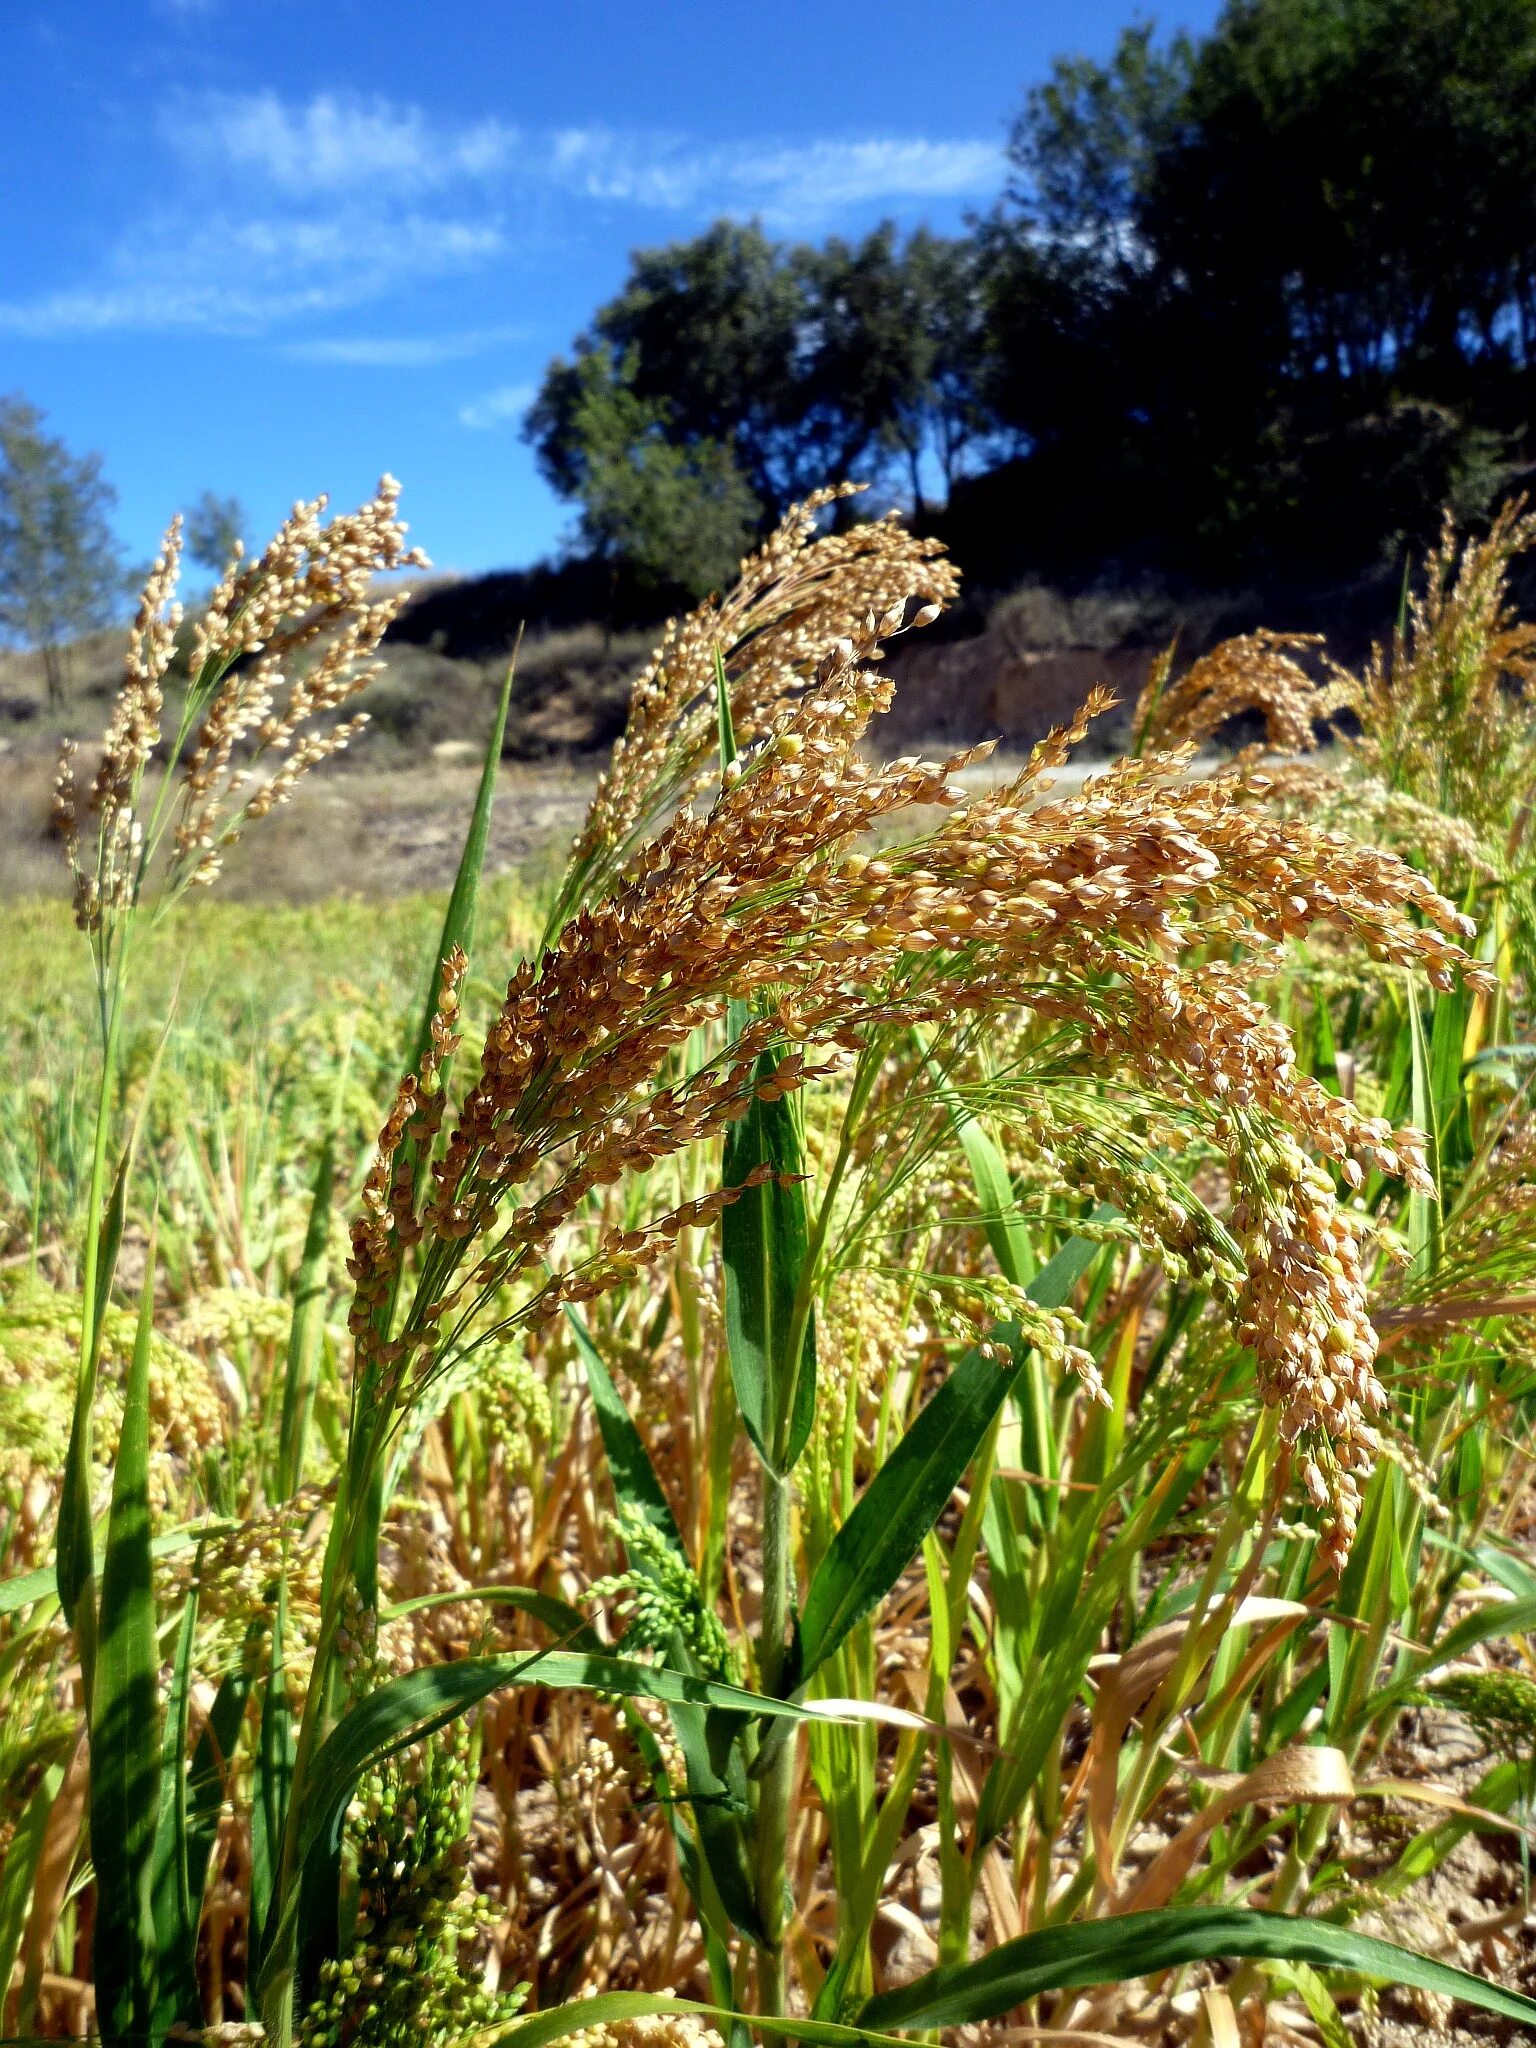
[214,526]
[795,363]
[60,571]
[1272,291]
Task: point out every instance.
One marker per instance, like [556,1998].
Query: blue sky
[274,248]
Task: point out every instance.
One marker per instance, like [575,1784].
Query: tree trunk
[55,672]
[919,509]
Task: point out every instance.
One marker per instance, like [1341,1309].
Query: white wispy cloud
[246,276]
[499,408]
[333,144]
[296,210]
[401,352]
[798,185]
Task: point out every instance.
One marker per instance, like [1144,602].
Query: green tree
[866,368]
[1358,178]
[1071,287]
[214,525]
[805,364]
[1083,153]
[1275,290]
[677,514]
[950,416]
[712,331]
[61,574]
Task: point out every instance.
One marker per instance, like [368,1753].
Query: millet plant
[900,1432]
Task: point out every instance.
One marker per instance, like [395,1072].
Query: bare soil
[374,832]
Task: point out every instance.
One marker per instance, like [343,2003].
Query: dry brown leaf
[1126,1683]
[1220,2018]
[1292,1777]
[61,1838]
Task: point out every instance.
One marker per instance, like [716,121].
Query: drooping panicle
[1080,912]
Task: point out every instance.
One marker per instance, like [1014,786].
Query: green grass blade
[1004,1225]
[723,713]
[307,1330]
[1007,1233]
[764,1238]
[629,1465]
[1504,1566]
[27,1588]
[714,1921]
[125,1721]
[1137,1944]
[613,2008]
[1498,1621]
[463,901]
[1325,1062]
[1424,1212]
[1052,1286]
[410,1708]
[1316,1997]
[719,1453]
[273,1780]
[1447,1035]
[907,1495]
[210,1782]
[175,1910]
[76,1559]
[716,1782]
[718,1795]
[406,1709]
[902,1502]
[458,931]
[566,1623]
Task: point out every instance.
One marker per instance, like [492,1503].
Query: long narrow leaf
[1424,1212]
[463,901]
[764,1240]
[307,1329]
[125,1722]
[717,1787]
[907,1495]
[210,1784]
[719,1829]
[29,1587]
[409,1708]
[634,1478]
[723,713]
[76,1561]
[613,2008]
[273,1780]
[1007,1233]
[174,1908]
[458,932]
[1137,1944]
[566,1623]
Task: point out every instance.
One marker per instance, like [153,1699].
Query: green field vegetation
[917,1413]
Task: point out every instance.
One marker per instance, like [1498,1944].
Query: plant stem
[76,1540]
[777,1788]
